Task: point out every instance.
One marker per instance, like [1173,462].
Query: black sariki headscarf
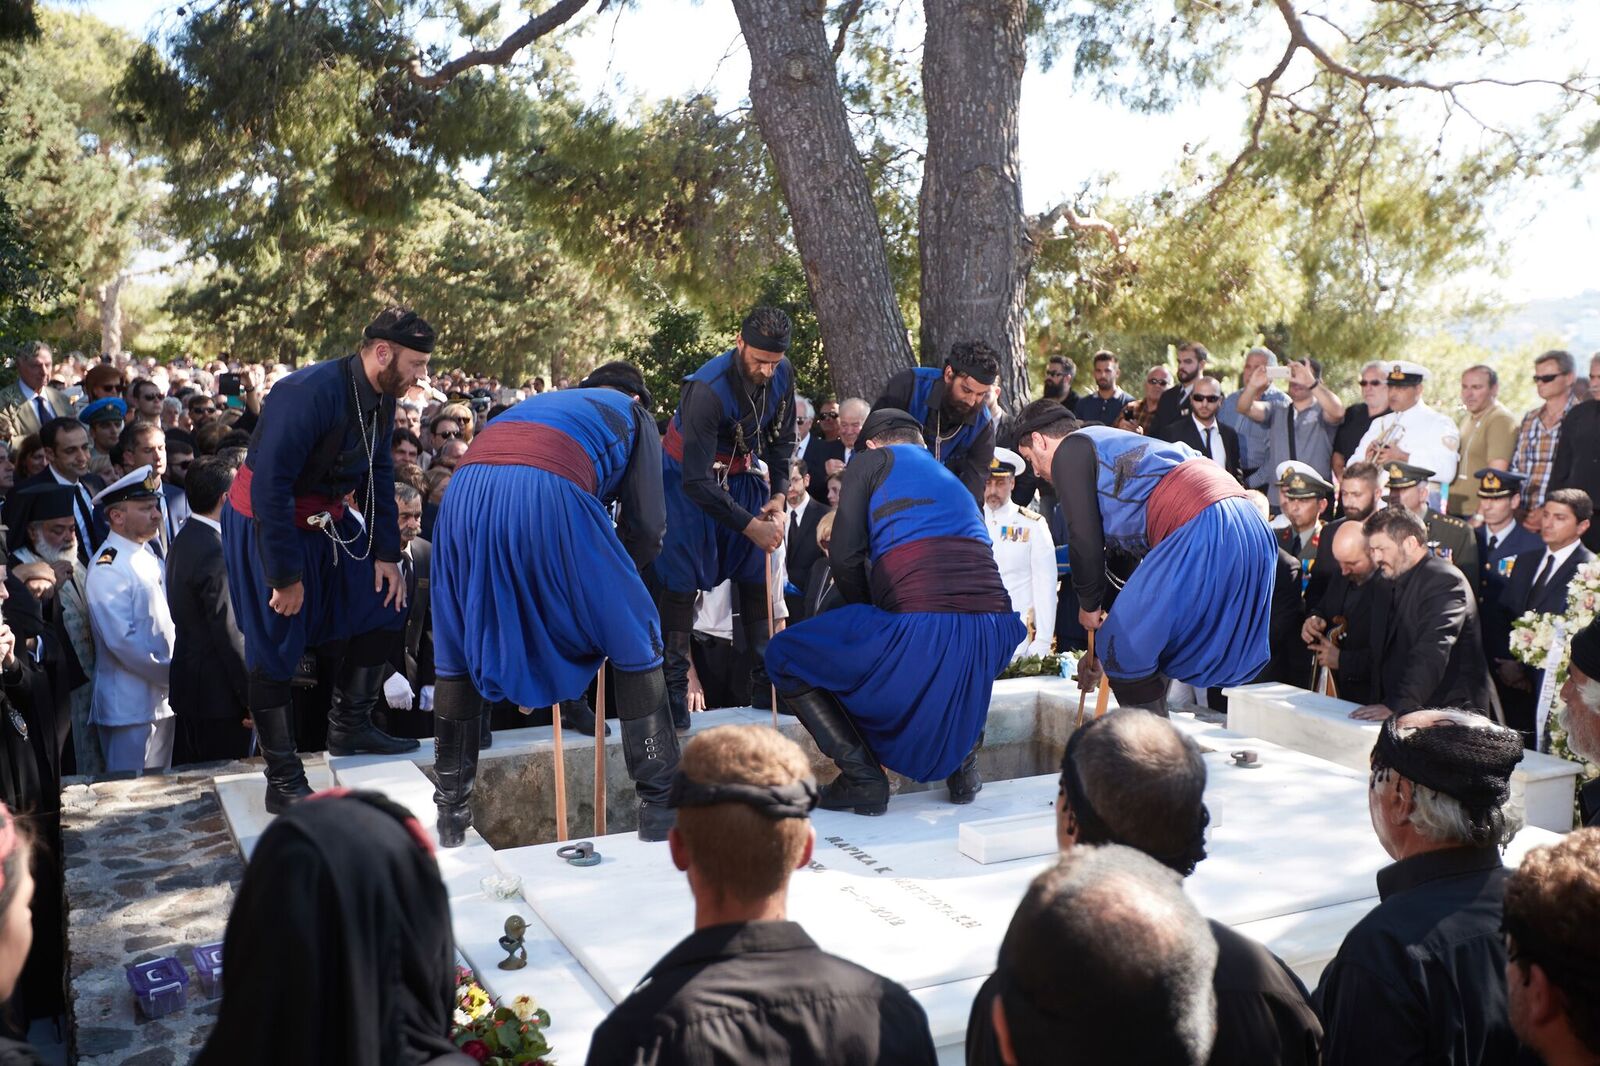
[339,947]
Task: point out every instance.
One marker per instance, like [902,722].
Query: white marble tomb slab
[1321,725]
[243,798]
[895,893]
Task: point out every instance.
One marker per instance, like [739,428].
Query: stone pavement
[150,871]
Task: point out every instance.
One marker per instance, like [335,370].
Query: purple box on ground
[160,985]
[208,964]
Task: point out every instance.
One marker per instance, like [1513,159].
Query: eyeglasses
[1194,398]
[1155,381]
[447,434]
[828,416]
[1545,379]
[1372,383]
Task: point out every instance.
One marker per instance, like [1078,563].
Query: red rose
[477,1049]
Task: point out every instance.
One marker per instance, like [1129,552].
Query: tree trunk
[108,294]
[794,92]
[976,251]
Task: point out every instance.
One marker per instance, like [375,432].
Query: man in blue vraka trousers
[304,571]
[902,674]
[724,470]
[1197,605]
[534,587]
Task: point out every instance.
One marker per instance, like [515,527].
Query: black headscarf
[339,948]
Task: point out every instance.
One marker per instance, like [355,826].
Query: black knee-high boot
[966,782]
[355,696]
[649,746]
[456,712]
[861,786]
[274,722]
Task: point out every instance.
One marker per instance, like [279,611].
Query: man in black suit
[821,593]
[1576,464]
[66,448]
[1200,429]
[411,659]
[1174,404]
[145,444]
[823,445]
[800,549]
[1348,600]
[1538,583]
[210,688]
[1425,625]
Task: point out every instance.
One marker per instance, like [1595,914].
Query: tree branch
[503,53]
[1042,227]
[852,8]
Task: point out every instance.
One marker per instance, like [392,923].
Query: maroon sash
[532,444]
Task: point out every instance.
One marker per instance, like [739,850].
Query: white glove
[397,692]
[1039,648]
[427,698]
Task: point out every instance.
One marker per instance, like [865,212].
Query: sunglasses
[1204,399]
[828,416]
[448,434]
[1545,379]
[202,410]
[1371,384]
[1156,381]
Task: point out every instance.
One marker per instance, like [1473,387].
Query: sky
[658,49]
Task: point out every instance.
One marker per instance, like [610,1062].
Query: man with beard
[1448,537]
[953,407]
[303,570]
[1196,607]
[1358,498]
[1192,359]
[46,532]
[1350,598]
[724,468]
[1425,625]
[1058,376]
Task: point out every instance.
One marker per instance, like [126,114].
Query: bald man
[1348,600]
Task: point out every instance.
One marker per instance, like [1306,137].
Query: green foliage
[83,198]
[26,284]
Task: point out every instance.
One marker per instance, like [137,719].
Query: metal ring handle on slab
[580,854]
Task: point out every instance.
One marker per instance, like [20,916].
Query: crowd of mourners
[1410,539]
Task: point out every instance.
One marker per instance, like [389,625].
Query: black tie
[44,411]
[1208,443]
[1494,541]
[1542,580]
[1294,546]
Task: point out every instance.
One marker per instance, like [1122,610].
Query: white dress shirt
[1219,452]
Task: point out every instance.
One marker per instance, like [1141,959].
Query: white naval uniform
[1431,439]
[126,590]
[1027,559]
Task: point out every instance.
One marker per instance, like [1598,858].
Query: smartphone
[1277,373]
[228,384]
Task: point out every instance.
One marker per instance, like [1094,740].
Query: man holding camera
[1302,429]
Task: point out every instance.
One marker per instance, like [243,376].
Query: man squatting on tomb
[534,588]
[724,470]
[303,570]
[901,675]
[1196,606]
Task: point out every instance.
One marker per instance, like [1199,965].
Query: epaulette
[1032,516]
[106,557]
[1452,520]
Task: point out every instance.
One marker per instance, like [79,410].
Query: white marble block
[1020,836]
[1321,726]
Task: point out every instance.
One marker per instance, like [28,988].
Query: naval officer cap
[1498,484]
[1006,463]
[141,484]
[108,409]
[886,419]
[1300,481]
[1405,475]
[1403,373]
